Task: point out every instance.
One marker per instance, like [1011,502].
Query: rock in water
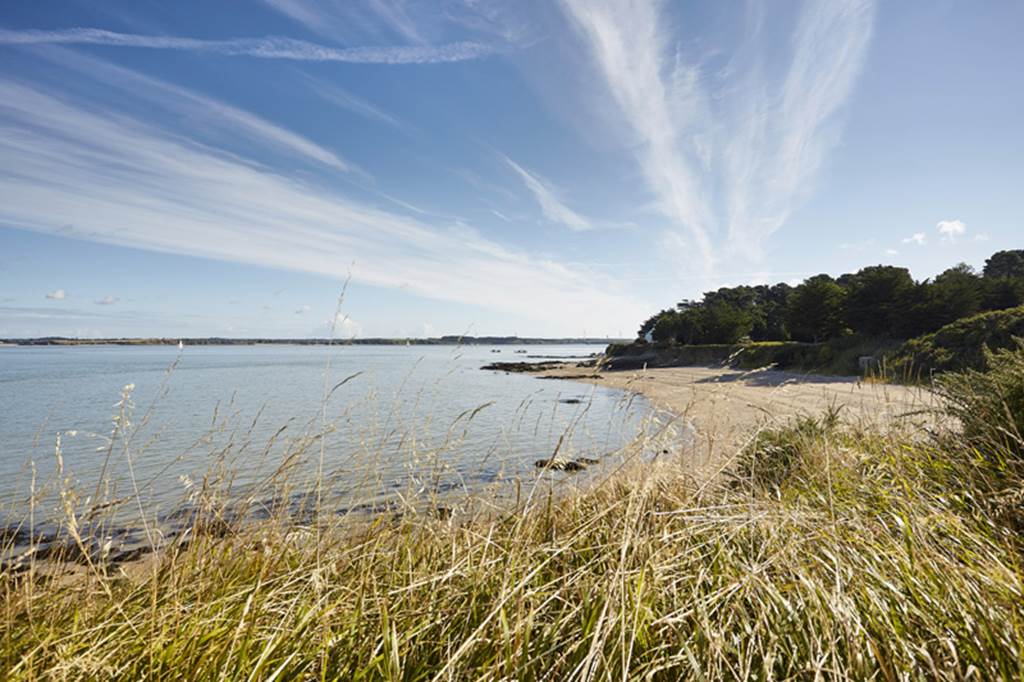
[559,465]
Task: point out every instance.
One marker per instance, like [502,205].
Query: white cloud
[108,300]
[302,310]
[550,205]
[950,229]
[982,237]
[270,47]
[754,141]
[58,295]
[122,182]
[892,252]
[918,238]
[345,327]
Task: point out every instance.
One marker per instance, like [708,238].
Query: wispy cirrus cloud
[357,105]
[728,154]
[123,182]
[270,47]
[631,50]
[335,20]
[550,205]
[193,106]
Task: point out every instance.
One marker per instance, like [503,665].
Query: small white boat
[181,344]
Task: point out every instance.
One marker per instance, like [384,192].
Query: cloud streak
[357,105]
[190,105]
[119,181]
[342,19]
[629,47]
[270,47]
[728,153]
[550,205]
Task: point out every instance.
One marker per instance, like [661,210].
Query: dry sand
[725,406]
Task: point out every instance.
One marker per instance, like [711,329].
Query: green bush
[960,345]
[838,356]
[990,404]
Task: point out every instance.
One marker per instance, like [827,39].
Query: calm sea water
[408,416]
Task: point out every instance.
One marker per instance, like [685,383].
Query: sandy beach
[725,406]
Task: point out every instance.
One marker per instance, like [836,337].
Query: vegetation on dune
[990,404]
[831,551]
[965,343]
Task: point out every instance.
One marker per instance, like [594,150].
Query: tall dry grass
[832,551]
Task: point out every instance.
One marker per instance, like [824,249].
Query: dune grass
[830,551]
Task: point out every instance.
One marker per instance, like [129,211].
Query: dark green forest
[880,301]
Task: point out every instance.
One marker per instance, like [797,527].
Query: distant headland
[451,340]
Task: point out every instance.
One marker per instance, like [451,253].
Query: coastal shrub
[639,347]
[990,405]
[960,345]
[779,354]
[837,356]
[637,355]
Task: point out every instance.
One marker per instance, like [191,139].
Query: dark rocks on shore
[521,367]
[559,464]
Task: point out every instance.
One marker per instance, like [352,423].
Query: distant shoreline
[220,341]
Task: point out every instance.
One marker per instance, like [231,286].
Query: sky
[539,168]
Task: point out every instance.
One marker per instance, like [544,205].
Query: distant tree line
[876,301]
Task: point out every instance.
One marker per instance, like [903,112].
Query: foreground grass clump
[862,555]
[872,564]
[990,405]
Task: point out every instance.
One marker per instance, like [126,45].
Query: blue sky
[473,166]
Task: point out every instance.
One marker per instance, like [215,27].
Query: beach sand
[727,406]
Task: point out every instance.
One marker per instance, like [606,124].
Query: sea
[153,428]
